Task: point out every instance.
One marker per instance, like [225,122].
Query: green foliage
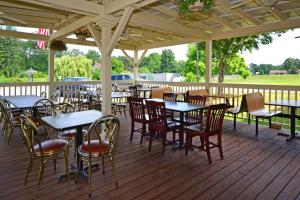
[96,74]
[184,5]
[152,63]
[190,77]
[128,66]
[67,66]
[117,66]
[94,56]
[168,62]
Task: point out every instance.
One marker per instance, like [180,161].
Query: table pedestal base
[82,172]
[288,136]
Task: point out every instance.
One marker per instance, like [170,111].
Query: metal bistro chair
[10,117]
[105,130]
[159,124]
[137,113]
[41,150]
[213,126]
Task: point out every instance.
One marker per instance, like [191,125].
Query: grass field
[287,79]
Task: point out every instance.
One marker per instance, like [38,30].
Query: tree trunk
[222,70]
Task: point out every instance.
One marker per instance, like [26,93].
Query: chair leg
[114,170]
[256,126]
[143,132]
[132,130]
[187,143]
[66,153]
[270,122]
[90,176]
[124,112]
[10,131]
[220,146]
[234,121]
[150,141]
[207,149]
[77,173]
[28,170]
[164,143]
[41,174]
[54,162]
[103,167]
[249,119]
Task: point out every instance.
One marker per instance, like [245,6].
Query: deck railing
[270,92]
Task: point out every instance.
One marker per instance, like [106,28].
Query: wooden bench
[256,107]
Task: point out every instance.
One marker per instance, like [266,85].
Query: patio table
[293,105]
[23,101]
[182,108]
[73,120]
[226,97]
[144,91]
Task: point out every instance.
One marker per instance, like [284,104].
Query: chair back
[134,90]
[105,129]
[170,96]
[43,94]
[159,92]
[215,118]
[64,108]
[54,96]
[197,115]
[136,109]
[157,116]
[30,134]
[243,106]
[41,108]
[255,102]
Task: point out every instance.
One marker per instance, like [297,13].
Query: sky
[275,53]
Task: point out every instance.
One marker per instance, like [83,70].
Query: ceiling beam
[254,30]
[168,43]
[22,35]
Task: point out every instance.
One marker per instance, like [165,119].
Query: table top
[72,120]
[287,103]
[223,95]
[143,89]
[23,101]
[180,106]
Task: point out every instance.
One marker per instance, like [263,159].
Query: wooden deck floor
[266,167]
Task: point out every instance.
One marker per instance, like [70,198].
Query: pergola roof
[154,23]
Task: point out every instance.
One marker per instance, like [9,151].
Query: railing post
[50,69]
[208,64]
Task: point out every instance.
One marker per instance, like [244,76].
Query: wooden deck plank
[264,160]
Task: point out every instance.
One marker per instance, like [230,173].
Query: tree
[151,63]
[67,66]
[226,49]
[117,66]
[291,64]
[93,55]
[128,66]
[168,62]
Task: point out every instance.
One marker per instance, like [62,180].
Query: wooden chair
[213,127]
[41,150]
[159,124]
[256,107]
[169,96]
[201,92]
[10,117]
[239,109]
[193,117]
[137,113]
[159,92]
[134,90]
[105,127]
[119,106]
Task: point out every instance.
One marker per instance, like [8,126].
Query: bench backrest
[255,102]
[159,92]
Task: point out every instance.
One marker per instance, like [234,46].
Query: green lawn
[288,79]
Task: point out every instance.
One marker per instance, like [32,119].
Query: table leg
[181,130]
[293,123]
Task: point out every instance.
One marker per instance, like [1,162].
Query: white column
[106,68]
[136,65]
[208,62]
[50,69]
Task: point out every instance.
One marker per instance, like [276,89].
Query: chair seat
[95,148]
[234,110]
[51,146]
[188,120]
[264,113]
[194,129]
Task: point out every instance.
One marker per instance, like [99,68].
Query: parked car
[122,77]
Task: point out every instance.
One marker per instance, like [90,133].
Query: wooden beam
[120,28]
[128,57]
[142,57]
[263,28]
[115,6]
[71,27]
[144,19]
[22,35]
[238,11]
[66,20]
[96,34]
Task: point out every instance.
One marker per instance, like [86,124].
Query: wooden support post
[136,65]
[208,64]
[50,69]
